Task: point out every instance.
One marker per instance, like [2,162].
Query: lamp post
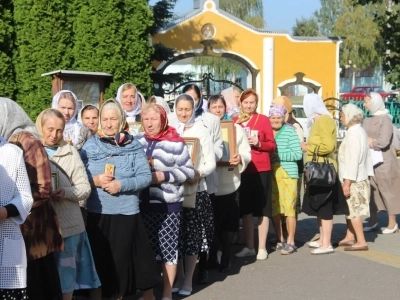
[352,68]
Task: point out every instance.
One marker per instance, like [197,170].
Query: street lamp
[352,68]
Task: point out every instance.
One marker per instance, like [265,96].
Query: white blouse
[14,189]
[354,157]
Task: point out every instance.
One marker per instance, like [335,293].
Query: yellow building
[275,60]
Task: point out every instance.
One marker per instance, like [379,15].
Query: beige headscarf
[39,125]
[353,114]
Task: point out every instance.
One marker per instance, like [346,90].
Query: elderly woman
[160,101]
[161,203]
[355,166]
[15,204]
[131,101]
[118,169]
[197,222]
[74,133]
[385,185]
[322,202]
[71,187]
[226,210]
[40,230]
[89,116]
[255,189]
[232,97]
[284,177]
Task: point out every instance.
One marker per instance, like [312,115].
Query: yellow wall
[315,59]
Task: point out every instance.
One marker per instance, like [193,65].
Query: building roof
[194,12]
[72,72]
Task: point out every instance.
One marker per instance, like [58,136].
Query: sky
[279,14]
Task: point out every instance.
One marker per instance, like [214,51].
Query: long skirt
[358,201]
[122,254]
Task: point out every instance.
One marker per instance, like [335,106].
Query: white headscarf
[131,115]
[352,114]
[161,101]
[314,106]
[377,106]
[72,130]
[179,126]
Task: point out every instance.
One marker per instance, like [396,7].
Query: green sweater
[289,150]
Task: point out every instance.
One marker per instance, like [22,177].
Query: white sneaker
[246,252]
[262,254]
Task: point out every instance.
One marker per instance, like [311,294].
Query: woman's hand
[235,160]
[253,141]
[102,179]
[346,188]
[157,177]
[304,146]
[371,143]
[58,194]
[113,187]
[195,178]
[3,213]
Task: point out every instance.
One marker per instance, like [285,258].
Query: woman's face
[367,102]
[90,118]
[236,96]
[218,108]
[151,121]
[67,108]
[184,111]
[110,122]
[193,93]
[276,122]
[52,130]
[128,99]
[343,118]
[249,104]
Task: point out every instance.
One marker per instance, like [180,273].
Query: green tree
[7,76]
[327,15]
[113,36]
[306,27]
[42,44]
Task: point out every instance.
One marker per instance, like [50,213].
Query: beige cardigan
[73,179]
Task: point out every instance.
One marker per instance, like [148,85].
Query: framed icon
[135,128]
[228,132]
[193,145]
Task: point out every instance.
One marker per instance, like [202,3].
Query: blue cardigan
[131,169]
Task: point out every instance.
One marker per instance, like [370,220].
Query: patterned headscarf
[278,110]
[353,114]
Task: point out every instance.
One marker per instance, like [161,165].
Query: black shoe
[224,268]
[203,277]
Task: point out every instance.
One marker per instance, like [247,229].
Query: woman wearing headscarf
[285,174]
[226,209]
[255,188]
[40,230]
[118,170]
[197,223]
[355,165]
[75,133]
[385,185]
[213,127]
[322,202]
[89,116]
[15,205]
[161,203]
[72,186]
[131,101]
[159,101]
[232,97]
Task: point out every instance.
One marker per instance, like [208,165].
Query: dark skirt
[122,253]
[43,281]
[226,213]
[325,202]
[13,294]
[255,194]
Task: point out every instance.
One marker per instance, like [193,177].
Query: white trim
[278,91]
[258,90]
[338,68]
[268,74]
[213,7]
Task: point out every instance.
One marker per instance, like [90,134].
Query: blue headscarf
[199,108]
[226,117]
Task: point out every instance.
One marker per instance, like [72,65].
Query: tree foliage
[42,44]
[327,15]
[306,27]
[112,36]
[7,75]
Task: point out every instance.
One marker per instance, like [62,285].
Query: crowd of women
[86,206]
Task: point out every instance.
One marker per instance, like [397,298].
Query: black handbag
[319,174]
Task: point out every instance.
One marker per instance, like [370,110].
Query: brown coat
[385,185]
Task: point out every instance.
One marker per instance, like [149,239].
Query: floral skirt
[284,192]
[358,201]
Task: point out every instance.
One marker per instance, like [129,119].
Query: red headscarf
[167,133]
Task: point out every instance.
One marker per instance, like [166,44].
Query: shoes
[387,230]
[346,243]
[219,255]
[246,252]
[203,277]
[262,254]
[358,248]
[175,290]
[288,249]
[314,245]
[224,269]
[370,228]
[320,251]
[184,293]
